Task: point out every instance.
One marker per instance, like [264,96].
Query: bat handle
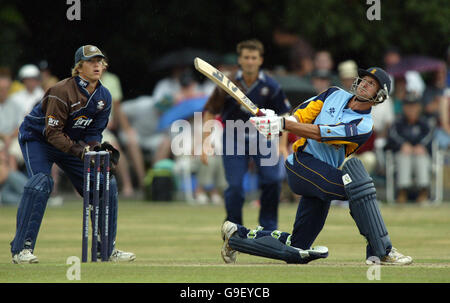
[260,113]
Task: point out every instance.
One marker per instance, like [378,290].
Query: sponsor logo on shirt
[82,122]
[264,91]
[52,121]
[83,83]
[100,104]
[331,111]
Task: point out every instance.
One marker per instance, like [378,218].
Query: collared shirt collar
[83,83]
[261,78]
[261,75]
[367,111]
[362,112]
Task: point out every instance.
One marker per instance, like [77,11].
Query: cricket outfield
[180,243]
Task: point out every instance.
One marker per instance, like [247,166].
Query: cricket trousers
[318,183]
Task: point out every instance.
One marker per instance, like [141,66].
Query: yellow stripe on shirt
[350,147]
[309,113]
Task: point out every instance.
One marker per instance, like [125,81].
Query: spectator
[300,52]
[169,86]
[414,84]
[27,98]
[383,118]
[48,79]
[189,87]
[448,66]
[12,182]
[434,93]
[391,57]
[348,71]
[324,61]
[167,92]
[410,139]
[119,125]
[410,83]
[143,113]
[435,102]
[320,80]
[399,94]
[211,177]
[15,85]
[442,133]
[10,119]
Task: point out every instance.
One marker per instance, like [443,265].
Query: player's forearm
[207,116]
[310,131]
[283,141]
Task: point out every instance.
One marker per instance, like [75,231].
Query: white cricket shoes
[24,257]
[122,256]
[393,258]
[229,255]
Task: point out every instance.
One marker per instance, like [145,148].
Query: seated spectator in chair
[321,80]
[10,118]
[410,139]
[12,182]
[348,71]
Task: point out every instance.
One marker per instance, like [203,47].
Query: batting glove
[269,127]
[267,112]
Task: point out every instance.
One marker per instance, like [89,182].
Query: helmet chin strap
[362,100]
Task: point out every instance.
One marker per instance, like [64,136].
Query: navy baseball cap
[87,52]
[378,74]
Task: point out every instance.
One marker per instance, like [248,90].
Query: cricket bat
[223,82]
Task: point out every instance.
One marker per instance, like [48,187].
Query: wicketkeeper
[60,129]
[332,126]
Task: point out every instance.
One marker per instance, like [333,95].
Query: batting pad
[364,207]
[31,211]
[272,248]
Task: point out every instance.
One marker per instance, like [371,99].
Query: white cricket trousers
[412,167]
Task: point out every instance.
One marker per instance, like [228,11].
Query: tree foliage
[135,33]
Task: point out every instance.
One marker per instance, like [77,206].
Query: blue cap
[87,52]
[378,74]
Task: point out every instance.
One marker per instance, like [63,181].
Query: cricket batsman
[61,128]
[331,126]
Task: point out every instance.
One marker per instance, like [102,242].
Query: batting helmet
[381,77]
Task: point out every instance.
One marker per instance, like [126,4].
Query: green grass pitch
[179,243]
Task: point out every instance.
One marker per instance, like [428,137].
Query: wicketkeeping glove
[114,154]
[86,149]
